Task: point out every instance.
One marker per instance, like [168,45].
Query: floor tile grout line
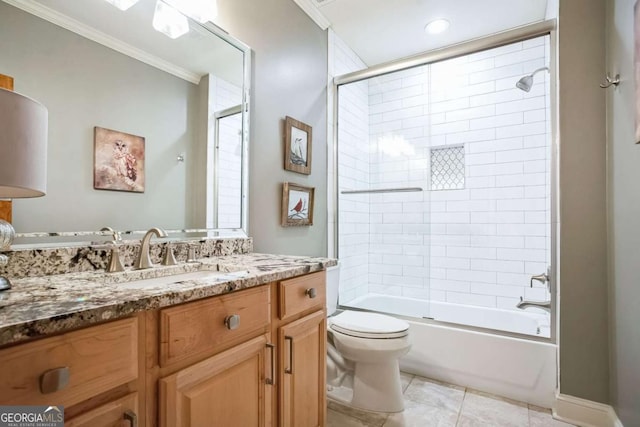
[461,406]
[466,392]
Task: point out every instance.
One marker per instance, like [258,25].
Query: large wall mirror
[94,65]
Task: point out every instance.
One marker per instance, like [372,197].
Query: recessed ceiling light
[436,27]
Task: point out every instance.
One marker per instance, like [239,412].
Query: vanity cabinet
[92,372]
[117,413]
[255,357]
[216,361]
[302,376]
[301,331]
[233,388]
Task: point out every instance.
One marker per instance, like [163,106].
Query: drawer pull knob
[311,293]
[54,380]
[131,417]
[232,322]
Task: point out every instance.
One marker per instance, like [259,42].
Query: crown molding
[310,9]
[73,25]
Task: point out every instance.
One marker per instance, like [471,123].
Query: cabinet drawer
[301,294]
[117,413]
[199,327]
[96,359]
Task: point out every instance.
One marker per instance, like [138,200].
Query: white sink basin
[208,276]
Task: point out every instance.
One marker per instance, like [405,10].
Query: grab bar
[383,190]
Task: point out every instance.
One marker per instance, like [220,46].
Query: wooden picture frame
[118,161]
[297,205]
[297,143]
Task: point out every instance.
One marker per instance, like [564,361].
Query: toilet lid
[369,325]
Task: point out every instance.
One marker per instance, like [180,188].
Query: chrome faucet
[143,260]
[545,305]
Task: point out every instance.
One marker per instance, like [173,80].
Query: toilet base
[378,393]
[377,387]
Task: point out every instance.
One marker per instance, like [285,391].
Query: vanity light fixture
[23,157]
[122,4]
[437,26]
[198,10]
[169,21]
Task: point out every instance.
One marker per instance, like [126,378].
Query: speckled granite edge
[76,259]
[40,306]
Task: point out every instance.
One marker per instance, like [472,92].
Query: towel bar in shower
[384,190]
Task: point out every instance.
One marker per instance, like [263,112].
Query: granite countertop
[39,306]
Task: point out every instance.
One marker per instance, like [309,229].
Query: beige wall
[289,79]
[624,214]
[583,339]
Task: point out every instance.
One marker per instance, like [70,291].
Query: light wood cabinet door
[122,412]
[230,389]
[302,365]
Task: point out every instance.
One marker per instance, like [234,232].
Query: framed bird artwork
[118,161]
[297,146]
[297,205]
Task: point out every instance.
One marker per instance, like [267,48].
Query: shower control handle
[311,293]
[542,278]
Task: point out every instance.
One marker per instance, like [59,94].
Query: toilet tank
[333,281]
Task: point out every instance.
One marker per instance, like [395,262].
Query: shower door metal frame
[214,204]
[525,32]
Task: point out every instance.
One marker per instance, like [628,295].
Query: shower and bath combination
[526,82]
[453,256]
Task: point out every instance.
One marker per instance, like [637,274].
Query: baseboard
[584,413]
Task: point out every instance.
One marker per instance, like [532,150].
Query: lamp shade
[23,146]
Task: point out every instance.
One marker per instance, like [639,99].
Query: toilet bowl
[362,354]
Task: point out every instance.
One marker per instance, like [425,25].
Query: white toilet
[362,355]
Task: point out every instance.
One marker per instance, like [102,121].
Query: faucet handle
[169,257]
[191,255]
[115,264]
[542,278]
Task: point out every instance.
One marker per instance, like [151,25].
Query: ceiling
[195,54]
[384,30]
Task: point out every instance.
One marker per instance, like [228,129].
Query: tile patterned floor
[430,403]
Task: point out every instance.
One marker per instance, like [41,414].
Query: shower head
[526,82]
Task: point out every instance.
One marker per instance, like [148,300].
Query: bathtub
[530,322]
[513,367]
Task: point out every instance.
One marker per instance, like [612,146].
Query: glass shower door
[383,220]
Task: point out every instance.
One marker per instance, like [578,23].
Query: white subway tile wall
[478,245]
[353,161]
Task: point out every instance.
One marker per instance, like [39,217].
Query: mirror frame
[43,12]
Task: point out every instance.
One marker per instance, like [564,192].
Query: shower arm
[538,70]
